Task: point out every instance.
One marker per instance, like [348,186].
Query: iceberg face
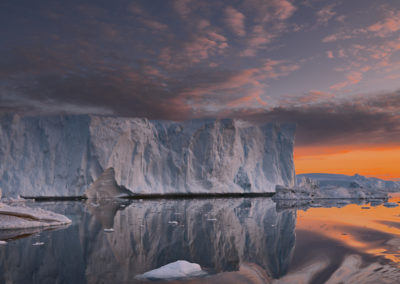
[63,155]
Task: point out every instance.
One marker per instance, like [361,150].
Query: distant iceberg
[65,155]
[355,181]
[336,186]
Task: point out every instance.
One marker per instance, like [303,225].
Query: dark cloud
[188,59]
[367,121]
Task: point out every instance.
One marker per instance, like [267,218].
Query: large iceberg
[64,155]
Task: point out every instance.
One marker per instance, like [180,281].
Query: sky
[331,67]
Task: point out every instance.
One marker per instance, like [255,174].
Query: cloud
[329,53]
[352,78]
[182,7]
[235,21]
[325,14]
[336,37]
[284,9]
[387,26]
[341,123]
[314,96]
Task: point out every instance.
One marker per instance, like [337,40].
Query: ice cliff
[64,155]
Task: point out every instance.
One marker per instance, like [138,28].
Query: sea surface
[236,240]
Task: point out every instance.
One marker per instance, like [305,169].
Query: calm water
[234,240]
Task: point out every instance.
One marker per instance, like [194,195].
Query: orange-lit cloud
[235,21]
[387,26]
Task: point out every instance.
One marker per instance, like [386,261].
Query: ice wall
[63,155]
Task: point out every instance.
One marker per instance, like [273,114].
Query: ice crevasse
[64,155]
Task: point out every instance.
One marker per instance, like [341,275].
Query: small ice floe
[38,244]
[315,205]
[173,222]
[211,219]
[365,207]
[174,270]
[122,206]
[3,242]
[390,204]
[94,204]
[110,230]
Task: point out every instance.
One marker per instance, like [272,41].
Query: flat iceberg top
[17,217]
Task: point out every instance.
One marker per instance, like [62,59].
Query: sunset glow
[352,230]
[374,162]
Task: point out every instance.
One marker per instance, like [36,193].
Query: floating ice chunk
[38,244]
[390,204]
[315,205]
[3,242]
[173,222]
[174,270]
[18,217]
[109,230]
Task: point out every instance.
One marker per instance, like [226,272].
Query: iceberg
[65,155]
[17,217]
[336,186]
[345,181]
[174,270]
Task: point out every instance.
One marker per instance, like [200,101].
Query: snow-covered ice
[174,270]
[201,156]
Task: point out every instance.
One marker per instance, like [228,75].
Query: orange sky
[377,162]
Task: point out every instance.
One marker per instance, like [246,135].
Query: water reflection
[234,241]
[224,236]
